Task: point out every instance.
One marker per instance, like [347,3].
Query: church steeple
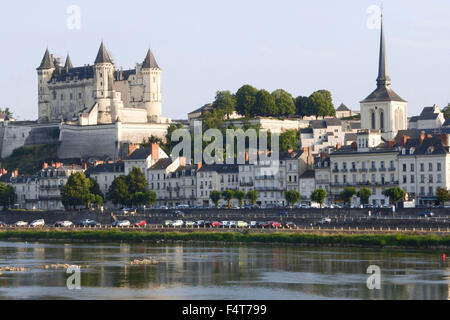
[103,55]
[383,79]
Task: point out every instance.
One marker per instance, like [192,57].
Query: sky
[204,46]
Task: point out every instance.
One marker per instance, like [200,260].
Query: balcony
[246,184]
[271,177]
[363,170]
[373,169]
[335,170]
[353,170]
[382,169]
[392,169]
[344,170]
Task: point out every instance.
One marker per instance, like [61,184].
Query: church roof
[150,61]
[103,55]
[383,92]
[343,107]
[47,62]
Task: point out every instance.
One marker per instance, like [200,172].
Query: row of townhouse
[418,165]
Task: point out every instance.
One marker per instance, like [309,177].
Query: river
[220,272]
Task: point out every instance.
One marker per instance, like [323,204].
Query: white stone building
[105,173]
[429,118]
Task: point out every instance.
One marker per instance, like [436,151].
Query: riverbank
[318,239]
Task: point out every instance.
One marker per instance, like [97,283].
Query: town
[107,122]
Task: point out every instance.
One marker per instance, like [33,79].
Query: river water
[220,272]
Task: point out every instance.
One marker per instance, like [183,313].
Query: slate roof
[343,107]
[308,174]
[161,164]
[150,61]
[382,94]
[140,154]
[106,167]
[103,55]
[47,62]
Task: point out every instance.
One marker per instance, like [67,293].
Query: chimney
[391,143]
[85,166]
[182,161]
[15,173]
[444,138]
[199,165]
[45,165]
[338,146]
[290,150]
[405,140]
[4,171]
[421,137]
[58,165]
[155,151]
[132,147]
[429,136]
[246,156]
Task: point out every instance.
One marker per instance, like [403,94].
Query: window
[430,178]
[430,167]
[422,178]
[439,178]
[412,167]
[404,167]
[439,166]
[404,179]
[422,167]
[412,178]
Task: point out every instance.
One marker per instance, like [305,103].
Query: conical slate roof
[103,55]
[150,61]
[68,64]
[383,92]
[47,62]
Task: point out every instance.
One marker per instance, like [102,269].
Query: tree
[319,196]
[252,195]
[302,106]
[246,100]
[226,102]
[240,195]
[8,196]
[289,139]
[215,197]
[228,195]
[95,188]
[292,197]
[152,197]
[364,194]
[443,195]
[348,194]
[446,112]
[76,192]
[98,200]
[136,181]
[395,194]
[118,192]
[321,104]
[265,105]
[284,102]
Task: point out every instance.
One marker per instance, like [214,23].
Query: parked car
[232,224]
[182,206]
[242,224]
[21,224]
[168,223]
[215,224]
[87,223]
[189,224]
[325,221]
[276,224]
[178,214]
[266,224]
[121,224]
[37,223]
[426,214]
[162,208]
[253,224]
[63,224]
[199,223]
[177,223]
[289,225]
[225,224]
[2,224]
[141,223]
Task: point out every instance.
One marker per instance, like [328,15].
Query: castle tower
[68,65]
[45,72]
[383,109]
[151,74]
[104,85]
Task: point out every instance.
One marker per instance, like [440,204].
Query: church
[383,109]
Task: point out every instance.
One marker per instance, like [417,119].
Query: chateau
[99,94]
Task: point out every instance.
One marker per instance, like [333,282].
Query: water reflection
[222,272]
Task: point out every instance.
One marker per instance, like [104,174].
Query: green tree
[95,188]
[76,192]
[265,105]
[319,196]
[302,106]
[321,104]
[348,194]
[395,194]
[98,200]
[364,194]
[240,195]
[292,197]
[118,192]
[246,100]
[446,112]
[289,139]
[228,195]
[226,102]
[284,102]
[136,181]
[215,197]
[443,195]
[252,195]
[8,196]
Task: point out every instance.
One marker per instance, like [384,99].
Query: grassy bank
[370,240]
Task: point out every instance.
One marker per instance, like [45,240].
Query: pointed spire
[383,79]
[68,64]
[103,55]
[47,62]
[150,61]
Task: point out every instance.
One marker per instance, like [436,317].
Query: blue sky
[208,45]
